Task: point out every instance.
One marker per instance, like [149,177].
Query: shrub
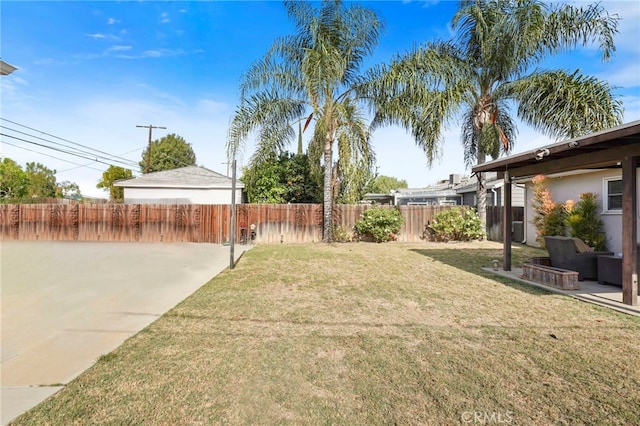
[550,217]
[584,222]
[456,224]
[340,234]
[555,221]
[379,224]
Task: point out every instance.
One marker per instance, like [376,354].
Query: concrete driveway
[66,303]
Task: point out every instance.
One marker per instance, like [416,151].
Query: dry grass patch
[365,334]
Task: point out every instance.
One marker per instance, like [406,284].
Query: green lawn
[362,334]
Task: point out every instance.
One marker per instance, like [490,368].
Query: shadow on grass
[472,260]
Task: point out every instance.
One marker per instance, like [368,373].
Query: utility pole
[149,148]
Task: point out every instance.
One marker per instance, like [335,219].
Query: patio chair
[573,254]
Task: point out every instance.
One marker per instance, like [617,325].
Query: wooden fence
[494,222]
[189,222]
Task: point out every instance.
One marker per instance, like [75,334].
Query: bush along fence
[196,223]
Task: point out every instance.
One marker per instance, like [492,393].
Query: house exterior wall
[570,187]
[180,195]
[517,197]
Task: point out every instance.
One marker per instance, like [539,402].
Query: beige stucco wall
[569,187]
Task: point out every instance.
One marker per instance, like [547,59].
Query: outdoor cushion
[581,246]
[564,254]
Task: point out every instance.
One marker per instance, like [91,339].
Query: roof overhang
[5,68]
[599,150]
[132,184]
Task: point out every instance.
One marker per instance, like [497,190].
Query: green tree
[351,180]
[312,73]
[168,152]
[109,176]
[67,189]
[283,179]
[491,65]
[384,184]
[42,181]
[14,182]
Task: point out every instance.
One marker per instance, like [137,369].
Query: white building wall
[517,195]
[180,196]
[570,187]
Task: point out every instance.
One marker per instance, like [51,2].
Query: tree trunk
[481,192]
[327,234]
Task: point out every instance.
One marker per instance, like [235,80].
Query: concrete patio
[609,296]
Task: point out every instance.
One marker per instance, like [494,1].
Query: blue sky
[90,72]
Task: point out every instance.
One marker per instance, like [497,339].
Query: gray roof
[184,177]
[470,184]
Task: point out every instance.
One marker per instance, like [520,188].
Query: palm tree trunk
[481,192]
[327,234]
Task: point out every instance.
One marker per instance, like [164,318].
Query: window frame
[606,195]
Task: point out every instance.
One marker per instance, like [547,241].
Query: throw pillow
[581,246]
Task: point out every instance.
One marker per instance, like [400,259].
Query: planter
[553,277]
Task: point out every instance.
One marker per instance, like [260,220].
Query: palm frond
[563,105]
[271,115]
[469,138]
[569,26]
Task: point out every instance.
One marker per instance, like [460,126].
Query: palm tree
[311,74]
[489,67]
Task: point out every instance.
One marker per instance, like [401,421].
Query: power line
[57,149]
[86,154]
[65,140]
[87,165]
[110,157]
[52,156]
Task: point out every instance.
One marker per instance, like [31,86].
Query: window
[612,200]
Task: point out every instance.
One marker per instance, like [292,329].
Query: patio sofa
[573,254]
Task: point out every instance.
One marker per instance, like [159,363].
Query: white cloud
[100,36]
[625,76]
[157,53]
[19,80]
[631,108]
[44,61]
[119,48]
[112,21]
[152,53]
[162,53]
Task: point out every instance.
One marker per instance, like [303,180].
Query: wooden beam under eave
[629,231]
[582,161]
[507,223]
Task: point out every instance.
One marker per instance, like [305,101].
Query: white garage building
[186,185]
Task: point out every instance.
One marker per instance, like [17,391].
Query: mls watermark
[487,417]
